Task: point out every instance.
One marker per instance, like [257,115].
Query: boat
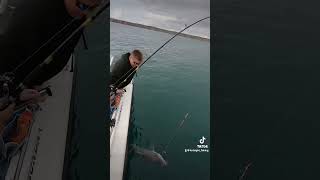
[42,154]
[119,132]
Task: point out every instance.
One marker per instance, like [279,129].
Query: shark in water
[150,155]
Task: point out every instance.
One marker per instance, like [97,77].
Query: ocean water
[266,90]
[172,83]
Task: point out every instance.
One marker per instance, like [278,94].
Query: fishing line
[245,171]
[175,133]
[156,52]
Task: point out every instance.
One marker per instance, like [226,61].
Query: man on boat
[125,68]
[122,73]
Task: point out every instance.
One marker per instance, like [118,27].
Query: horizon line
[116,20]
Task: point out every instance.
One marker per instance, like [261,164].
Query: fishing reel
[115,90]
[9,92]
[112,88]
[6,90]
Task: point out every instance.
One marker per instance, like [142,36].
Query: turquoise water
[172,83]
[266,94]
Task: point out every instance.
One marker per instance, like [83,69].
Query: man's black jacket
[121,71]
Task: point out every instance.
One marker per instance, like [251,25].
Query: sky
[165,14]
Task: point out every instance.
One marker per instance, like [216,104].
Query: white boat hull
[42,156]
[119,134]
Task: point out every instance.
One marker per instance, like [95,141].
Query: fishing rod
[136,69]
[9,89]
[89,18]
[174,135]
[84,9]
[42,46]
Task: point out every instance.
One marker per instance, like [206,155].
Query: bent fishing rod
[86,11]
[92,15]
[43,46]
[136,69]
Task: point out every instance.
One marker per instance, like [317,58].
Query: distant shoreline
[157,29]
